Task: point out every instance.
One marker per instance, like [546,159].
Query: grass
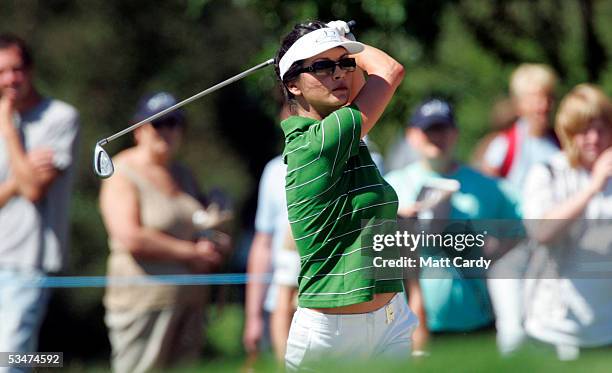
[474,352]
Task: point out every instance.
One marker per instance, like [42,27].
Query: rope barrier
[104,281]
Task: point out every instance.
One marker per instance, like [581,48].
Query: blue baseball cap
[153,103]
[431,112]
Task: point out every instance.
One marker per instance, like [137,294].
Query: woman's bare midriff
[379,301]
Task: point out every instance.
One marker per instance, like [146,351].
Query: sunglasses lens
[327,67]
[324,67]
[347,64]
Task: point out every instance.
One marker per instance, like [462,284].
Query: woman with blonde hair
[569,303]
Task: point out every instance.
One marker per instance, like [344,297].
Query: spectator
[510,155]
[377,158]
[502,117]
[529,140]
[286,273]
[400,154]
[148,209]
[270,225]
[567,306]
[452,302]
[38,145]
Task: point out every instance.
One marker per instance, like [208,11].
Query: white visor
[316,42]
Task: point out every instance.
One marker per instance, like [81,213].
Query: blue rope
[103,281]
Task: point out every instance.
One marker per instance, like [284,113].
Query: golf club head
[102,163]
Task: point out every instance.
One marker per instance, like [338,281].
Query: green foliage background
[101,56]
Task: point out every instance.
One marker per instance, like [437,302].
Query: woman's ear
[294,88]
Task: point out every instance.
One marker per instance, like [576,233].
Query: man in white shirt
[38,143]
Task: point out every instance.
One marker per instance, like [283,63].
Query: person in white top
[569,297]
[39,138]
[510,155]
[285,278]
[271,221]
[270,225]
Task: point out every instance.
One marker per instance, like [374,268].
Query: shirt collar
[294,126]
[296,123]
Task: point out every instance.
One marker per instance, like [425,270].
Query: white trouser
[507,299]
[384,333]
[506,289]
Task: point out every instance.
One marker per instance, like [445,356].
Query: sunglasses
[169,123]
[328,67]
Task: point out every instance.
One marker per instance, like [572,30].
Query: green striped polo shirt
[334,189]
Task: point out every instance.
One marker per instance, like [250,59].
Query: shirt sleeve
[496,151]
[62,138]
[338,136]
[538,193]
[266,207]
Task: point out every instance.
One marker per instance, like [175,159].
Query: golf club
[102,163]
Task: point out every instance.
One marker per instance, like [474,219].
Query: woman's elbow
[396,74]
[541,238]
[543,234]
[131,243]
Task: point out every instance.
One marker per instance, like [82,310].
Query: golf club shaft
[186,101]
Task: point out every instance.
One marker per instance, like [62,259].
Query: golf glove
[343,28]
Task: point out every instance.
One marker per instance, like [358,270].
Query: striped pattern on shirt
[334,190]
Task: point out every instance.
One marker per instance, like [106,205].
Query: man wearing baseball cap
[153,103]
[451,303]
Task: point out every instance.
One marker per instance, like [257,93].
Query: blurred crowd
[546,164]
[548,169]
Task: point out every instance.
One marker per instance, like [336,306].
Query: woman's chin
[341,95]
[339,100]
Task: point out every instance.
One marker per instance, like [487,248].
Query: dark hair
[9,40]
[298,31]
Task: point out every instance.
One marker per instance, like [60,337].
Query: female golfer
[335,193]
